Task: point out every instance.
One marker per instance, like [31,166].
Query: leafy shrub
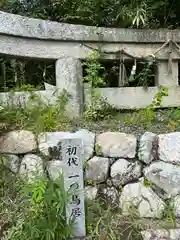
[93,70]
[32,211]
[98,110]
[43,214]
[37,115]
[25,87]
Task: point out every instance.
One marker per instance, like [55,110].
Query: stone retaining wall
[143,172]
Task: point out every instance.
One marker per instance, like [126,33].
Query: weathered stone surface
[35,28]
[49,87]
[13,162]
[111,194]
[88,139]
[146,153]
[109,182]
[74,182]
[17,142]
[97,169]
[123,172]
[47,141]
[176,202]
[54,168]
[52,139]
[169,147]
[21,99]
[31,167]
[165,175]
[146,203]
[117,97]
[69,76]
[161,234]
[115,144]
[91,192]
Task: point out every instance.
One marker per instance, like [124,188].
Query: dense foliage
[119,13]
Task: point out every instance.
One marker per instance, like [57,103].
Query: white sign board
[72,157]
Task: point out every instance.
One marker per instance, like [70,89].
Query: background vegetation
[112,13]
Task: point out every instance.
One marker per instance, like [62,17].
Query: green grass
[168,213]
[46,117]
[104,221]
[32,211]
[39,116]
[147,183]
[36,116]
